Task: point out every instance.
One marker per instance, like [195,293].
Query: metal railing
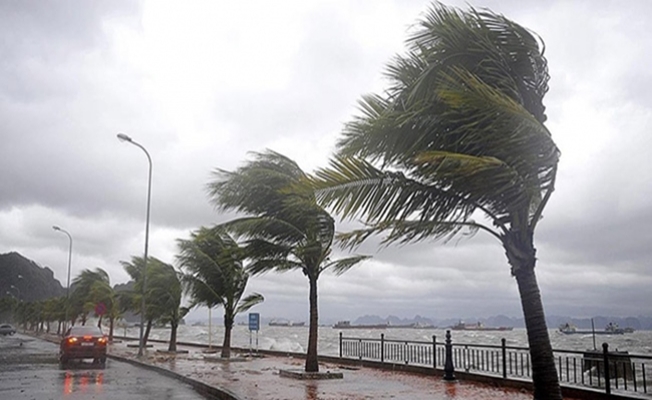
[625,373]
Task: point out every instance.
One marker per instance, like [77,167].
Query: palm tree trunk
[312,363]
[228,326]
[544,373]
[521,256]
[147,330]
[111,324]
[173,336]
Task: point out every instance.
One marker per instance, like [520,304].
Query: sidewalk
[257,378]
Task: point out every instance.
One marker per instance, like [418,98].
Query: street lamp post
[65,323]
[125,138]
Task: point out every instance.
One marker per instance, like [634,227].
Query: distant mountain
[392,320]
[553,321]
[26,280]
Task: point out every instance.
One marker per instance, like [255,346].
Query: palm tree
[459,132]
[215,276]
[90,289]
[8,305]
[156,303]
[163,284]
[284,227]
[53,312]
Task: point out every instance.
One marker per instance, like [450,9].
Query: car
[81,342]
[6,329]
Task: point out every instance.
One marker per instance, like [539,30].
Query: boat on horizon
[479,326]
[610,329]
[386,325]
[285,323]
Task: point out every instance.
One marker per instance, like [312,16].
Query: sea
[295,338]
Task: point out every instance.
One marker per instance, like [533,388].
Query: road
[29,370]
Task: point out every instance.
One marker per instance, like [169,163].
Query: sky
[201,84]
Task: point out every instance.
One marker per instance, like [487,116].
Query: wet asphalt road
[29,370]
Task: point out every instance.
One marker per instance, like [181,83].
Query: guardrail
[625,373]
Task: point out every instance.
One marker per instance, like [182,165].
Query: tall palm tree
[284,227]
[459,132]
[215,276]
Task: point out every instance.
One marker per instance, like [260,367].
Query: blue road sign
[254,321]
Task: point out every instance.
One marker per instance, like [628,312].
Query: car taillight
[88,337]
[72,340]
[101,340]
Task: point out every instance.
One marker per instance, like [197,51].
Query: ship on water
[386,325]
[285,323]
[610,329]
[461,326]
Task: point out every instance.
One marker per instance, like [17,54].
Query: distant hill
[30,281]
[553,321]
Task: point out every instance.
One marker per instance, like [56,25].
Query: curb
[210,392]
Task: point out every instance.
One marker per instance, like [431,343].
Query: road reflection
[451,390]
[83,381]
[311,391]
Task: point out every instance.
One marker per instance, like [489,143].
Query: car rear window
[85,330]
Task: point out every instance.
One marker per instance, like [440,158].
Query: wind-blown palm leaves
[90,289]
[215,276]
[284,228]
[162,294]
[164,285]
[459,131]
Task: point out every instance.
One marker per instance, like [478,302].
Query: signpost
[254,325]
[100,309]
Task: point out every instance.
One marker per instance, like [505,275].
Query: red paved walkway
[258,379]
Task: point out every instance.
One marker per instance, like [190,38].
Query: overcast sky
[202,83]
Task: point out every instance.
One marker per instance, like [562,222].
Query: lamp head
[56,228]
[123,138]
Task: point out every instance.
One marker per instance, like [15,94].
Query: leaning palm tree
[90,288]
[154,308]
[284,227]
[459,133]
[164,286]
[215,276]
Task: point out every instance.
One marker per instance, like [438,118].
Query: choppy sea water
[295,339]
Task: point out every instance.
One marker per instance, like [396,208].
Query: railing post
[504,349]
[406,350]
[340,344]
[605,356]
[434,352]
[382,348]
[449,368]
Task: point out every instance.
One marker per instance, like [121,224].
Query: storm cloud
[201,86]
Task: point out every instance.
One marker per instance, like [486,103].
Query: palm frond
[248,302]
[342,265]
[402,232]
[354,187]
[264,265]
